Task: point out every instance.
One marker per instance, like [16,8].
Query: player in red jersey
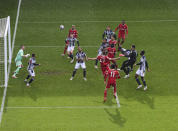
[112,75]
[113,40]
[104,62]
[112,53]
[123,29]
[74,32]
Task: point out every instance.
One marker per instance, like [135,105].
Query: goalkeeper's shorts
[18,63]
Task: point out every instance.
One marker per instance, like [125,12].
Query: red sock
[65,49]
[114,90]
[105,93]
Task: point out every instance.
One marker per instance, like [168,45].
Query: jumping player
[112,75]
[31,65]
[113,40]
[103,46]
[143,65]
[71,45]
[123,29]
[104,62]
[18,60]
[71,31]
[127,65]
[108,33]
[80,58]
[111,53]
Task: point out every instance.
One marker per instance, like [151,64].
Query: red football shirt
[74,32]
[113,75]
[104,60]
[122,28]
[113,42]
[111,52]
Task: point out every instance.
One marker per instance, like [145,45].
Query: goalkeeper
[18,60]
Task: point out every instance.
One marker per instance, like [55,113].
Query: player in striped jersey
[31,65]
[108,33]
[103,46]
[71,31]
[70,41]
[80,62]
[143,65]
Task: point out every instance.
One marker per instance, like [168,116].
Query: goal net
[5,50]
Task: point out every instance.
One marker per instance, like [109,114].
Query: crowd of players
[107,55]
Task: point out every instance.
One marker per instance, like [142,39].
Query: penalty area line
[60,107]
[54,46]
[96,21]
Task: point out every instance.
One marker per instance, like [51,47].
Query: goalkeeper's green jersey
[19,55]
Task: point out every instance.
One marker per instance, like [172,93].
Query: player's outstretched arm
[118,58]
[27,55]
[92,58]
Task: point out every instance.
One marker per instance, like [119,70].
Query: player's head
[120,48]
[113,37]
[73,27]
[123,22]
[33,55]
[112,45]
[104,51]
[79,49]
[133,47]
[108,28]
[104,40]
[71,35]
[142,52]
[22,47]
[113,66]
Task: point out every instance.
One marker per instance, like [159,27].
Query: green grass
[155,109]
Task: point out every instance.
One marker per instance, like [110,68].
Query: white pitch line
[60,107]
[55,46]
[94,21]
[13,42]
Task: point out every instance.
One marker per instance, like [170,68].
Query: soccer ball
[61,27]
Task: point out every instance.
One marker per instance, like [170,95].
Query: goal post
[5,50]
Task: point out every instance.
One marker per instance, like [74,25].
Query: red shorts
[121,35]
[104,70]
[109,84]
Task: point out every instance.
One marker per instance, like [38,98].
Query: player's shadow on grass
[32,93]
[116,118]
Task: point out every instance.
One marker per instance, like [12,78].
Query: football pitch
[54,103]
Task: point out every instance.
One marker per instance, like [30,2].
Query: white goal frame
[6,36]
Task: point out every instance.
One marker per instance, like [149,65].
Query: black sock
[28,77]
[96,62]
[144,82]
[138,81]
[84,73]
[74,72]
[72,56]
[32,79]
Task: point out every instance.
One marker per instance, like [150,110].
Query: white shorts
[70,48]
[77,65]
[140,73]
[108,40]
[31,72]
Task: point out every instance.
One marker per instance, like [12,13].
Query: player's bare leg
[138,82]
[65,49]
